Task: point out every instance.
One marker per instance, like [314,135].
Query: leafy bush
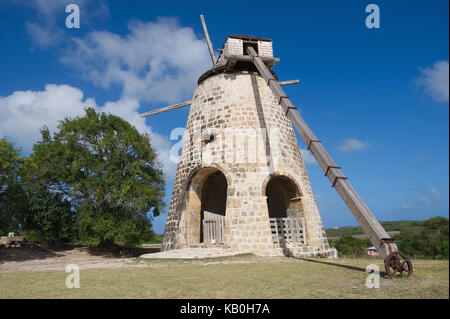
[49,215]
[418,239]
[350,246]
[431,241]
[109,172]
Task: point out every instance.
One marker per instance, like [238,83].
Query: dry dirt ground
[37,259]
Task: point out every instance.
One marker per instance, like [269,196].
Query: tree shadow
[35,252]
[31,252]
[118,251]
[350,267]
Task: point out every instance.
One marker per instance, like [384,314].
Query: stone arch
[284,197]
[283,175]
[200,169]
[206,191]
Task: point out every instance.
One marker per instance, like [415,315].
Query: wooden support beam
[167,108]
[247,58]
[208,41]
[230,65]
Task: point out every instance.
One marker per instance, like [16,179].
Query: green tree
[49,215]
[107,170]
[11,197]
[407,242]
[428,241]
[348,245]
[9,163]
[444,249]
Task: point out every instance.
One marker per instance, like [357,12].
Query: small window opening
[250,44]
[208,138]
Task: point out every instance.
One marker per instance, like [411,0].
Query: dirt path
[36,259]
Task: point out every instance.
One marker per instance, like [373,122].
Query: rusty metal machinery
[397,262]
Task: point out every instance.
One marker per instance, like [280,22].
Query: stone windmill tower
[241,182]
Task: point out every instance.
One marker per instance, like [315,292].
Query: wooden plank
[273,222]
[167,108]
[281,229]
[213,229]
[287,229]
[298,234]
[205,232]
[291,229]
[208,41]
[247,58]
[216,227]
[230,65]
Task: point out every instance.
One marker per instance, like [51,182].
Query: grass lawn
[312,278]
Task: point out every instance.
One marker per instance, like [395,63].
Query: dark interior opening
[247,44]
[214,196]
[280,191]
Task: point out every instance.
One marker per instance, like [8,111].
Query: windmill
[266,206]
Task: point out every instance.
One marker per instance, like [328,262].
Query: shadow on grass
[36,252]
[355,268]
[118,251]
[31,252]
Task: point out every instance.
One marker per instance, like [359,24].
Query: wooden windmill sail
[255,55]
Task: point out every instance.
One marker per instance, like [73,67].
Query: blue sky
[377,98]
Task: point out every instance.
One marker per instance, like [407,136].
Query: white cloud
[434,80]
[45,7]
[43,29]
[307,156]
[353,145]
[157,61]
[24,113]
[47,27]
[42,35]
[430,196]
[424,197]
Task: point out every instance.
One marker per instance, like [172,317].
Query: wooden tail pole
[208,41]
[167,108]
[371,226]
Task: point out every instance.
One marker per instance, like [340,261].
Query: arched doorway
[203,216]
[283,198]
[286,215]
[214,202]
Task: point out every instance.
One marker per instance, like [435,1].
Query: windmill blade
[208,41]
[167,108]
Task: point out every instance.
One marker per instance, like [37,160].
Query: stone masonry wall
[239,109]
